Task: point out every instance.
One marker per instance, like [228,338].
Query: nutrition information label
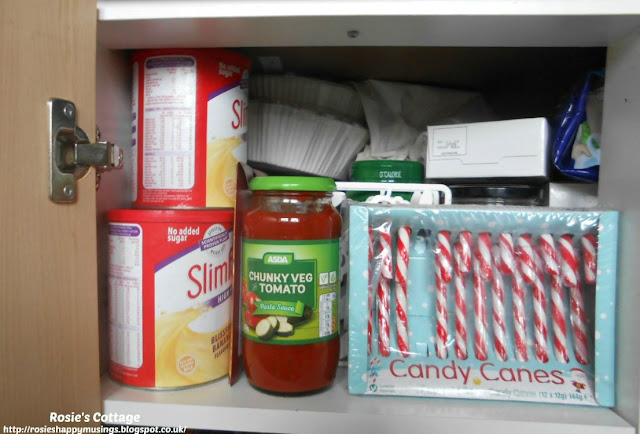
[125,294]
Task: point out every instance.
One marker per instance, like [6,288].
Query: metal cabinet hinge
[72,154]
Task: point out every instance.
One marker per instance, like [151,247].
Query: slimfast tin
[170,287]
[189,126]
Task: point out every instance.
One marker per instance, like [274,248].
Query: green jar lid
[292,183]
[387,171]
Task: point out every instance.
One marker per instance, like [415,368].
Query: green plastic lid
[387,171]
[292,183]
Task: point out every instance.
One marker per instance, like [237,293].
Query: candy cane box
[490,303]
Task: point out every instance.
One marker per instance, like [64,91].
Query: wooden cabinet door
[48,296]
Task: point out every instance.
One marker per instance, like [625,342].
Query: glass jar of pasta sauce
[290,284]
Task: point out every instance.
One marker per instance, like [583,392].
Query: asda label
[290,290]
[278,258]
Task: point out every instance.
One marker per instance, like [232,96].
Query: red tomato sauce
[290,368]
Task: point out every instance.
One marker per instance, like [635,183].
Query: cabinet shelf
[241,408]
[162,9]
[275,23]
[268,28]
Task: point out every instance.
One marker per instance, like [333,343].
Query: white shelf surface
[218,406]
[163,9]
[445,23]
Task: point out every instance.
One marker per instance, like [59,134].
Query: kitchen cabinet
[48,297]
[460,43]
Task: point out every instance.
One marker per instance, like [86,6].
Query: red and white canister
[170,296]
[189,126]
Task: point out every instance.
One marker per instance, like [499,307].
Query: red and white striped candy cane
[549,254]
[507,253]
[384,292]
[552,268]
[482,271]
[370,292]
[571,278]
[464,239]
[509,266]
[537,259]
[402,272]
[480,311]
[590,256]
[568,261]
[531,274]
[386,262]
[459,283]
[499,315]
[443,276]
[485,255]
[443,255]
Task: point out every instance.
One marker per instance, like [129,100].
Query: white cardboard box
[501,149]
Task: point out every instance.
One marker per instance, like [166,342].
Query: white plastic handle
[430,193]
